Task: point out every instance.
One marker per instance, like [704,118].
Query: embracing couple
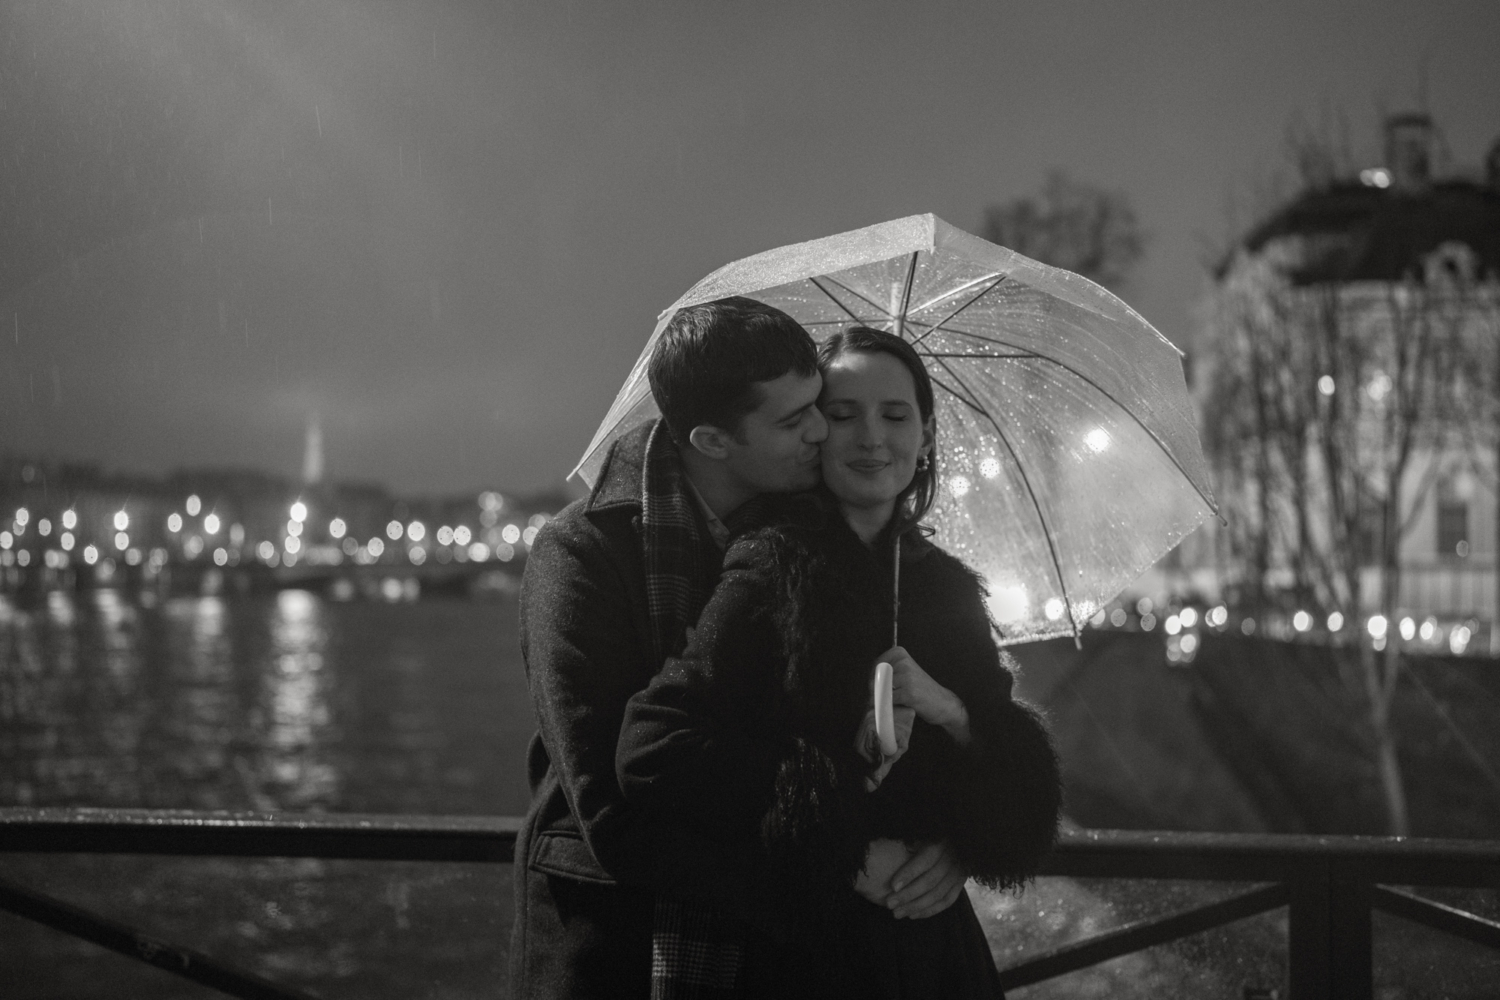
[713,814]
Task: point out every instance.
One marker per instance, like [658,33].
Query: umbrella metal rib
[951,292]
[879,309]
[911,273]
[835,300]
[939,324]
[1025,481]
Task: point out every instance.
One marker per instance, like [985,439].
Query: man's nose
[817,428]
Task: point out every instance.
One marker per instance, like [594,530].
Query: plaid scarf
[696,953]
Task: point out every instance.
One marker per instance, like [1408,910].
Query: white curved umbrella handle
[885,712]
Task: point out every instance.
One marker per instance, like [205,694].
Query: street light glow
[122,520]
[211,524]
[193,505]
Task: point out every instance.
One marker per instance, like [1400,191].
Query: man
[610,587]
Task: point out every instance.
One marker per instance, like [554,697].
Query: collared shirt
[716,529]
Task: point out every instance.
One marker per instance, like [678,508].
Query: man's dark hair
[914,502]
[704,367]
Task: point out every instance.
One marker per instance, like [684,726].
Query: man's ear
[710,441]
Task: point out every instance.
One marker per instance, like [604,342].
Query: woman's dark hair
[914,502]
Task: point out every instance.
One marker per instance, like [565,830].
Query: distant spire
[312,454]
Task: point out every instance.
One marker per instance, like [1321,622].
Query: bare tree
[1336,404]
[1072,225]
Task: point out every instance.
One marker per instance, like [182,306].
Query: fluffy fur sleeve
[815,831]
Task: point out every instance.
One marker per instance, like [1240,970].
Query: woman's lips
[867,465]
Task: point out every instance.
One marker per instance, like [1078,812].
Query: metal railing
[1329,885]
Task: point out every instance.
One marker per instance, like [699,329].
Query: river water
[288,701]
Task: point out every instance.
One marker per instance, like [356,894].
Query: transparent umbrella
[1067,448]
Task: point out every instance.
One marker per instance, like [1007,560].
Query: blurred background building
[1347,379]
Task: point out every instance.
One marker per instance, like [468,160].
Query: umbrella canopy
[1067,448]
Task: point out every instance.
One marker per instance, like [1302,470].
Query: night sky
[446,228]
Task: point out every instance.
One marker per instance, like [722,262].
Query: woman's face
[875,431]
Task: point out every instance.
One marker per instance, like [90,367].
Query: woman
[763,724]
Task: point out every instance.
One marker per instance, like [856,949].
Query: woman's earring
[923,463]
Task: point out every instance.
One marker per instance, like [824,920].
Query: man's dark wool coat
[584,858]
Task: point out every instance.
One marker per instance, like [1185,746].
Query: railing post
[1309,959]
[1353,954]
[1328,938]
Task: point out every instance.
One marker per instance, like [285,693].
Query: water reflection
[287,701]
[299,711]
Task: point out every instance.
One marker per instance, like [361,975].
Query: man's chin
[806,481]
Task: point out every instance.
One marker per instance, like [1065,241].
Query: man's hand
[927,884]
[883,859]
[867,742]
